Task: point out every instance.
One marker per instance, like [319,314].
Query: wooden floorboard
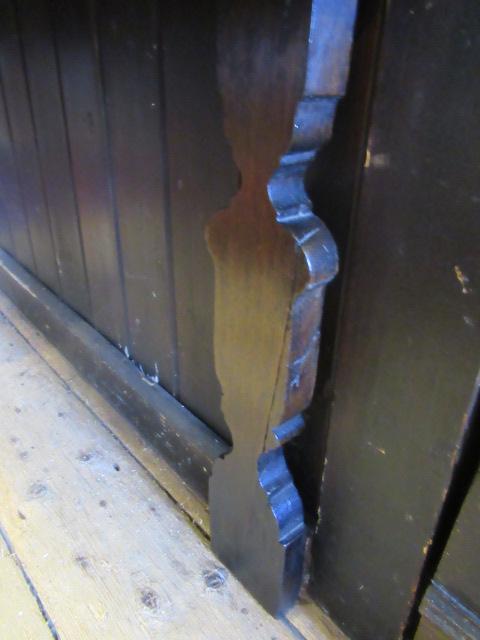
[109,552]
[20,615]
[110,555]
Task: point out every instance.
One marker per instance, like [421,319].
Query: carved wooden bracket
[282,68]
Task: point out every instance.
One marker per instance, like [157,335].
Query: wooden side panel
[130,50]
[273,259]
[409,342]
[17,99]
[81,87]
[202,179]
[53,145]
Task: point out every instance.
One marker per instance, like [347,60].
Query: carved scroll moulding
[273,258]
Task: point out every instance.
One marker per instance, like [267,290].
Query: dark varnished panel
[15,235]
[409,342]
[131,68]
[22,129]
[6,241]
[5,235]
[75,35]
[53,146]
[202,179]
[12,204]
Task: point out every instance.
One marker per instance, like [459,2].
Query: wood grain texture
[108,552]
[20,616]
[35,28]
[5,204]
[130,53]
[12,209]
[80,82]
[23,135]
[272,260]
[408,344]
[185,441]
[304,617]
[202,179]
[332,182]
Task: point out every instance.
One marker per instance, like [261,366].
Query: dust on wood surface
[118,564]
[109,553]
[20,615]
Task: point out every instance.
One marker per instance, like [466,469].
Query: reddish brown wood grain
[272,259]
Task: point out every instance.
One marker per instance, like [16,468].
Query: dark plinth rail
[185,442]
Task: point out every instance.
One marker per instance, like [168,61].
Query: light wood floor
[95,542]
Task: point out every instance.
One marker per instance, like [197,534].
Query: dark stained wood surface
[113,159]
[332,182]
[122,158]
[54,152]
[10,198]
[130,48]
[79,77]
[187,444]
[93,173]
[11,195]
[23,136]
[272,259]
[202,179]
[409,342]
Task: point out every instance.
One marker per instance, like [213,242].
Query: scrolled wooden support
[282,68]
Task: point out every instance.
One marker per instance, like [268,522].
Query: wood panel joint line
[20,36]
[70,162]
[95,35]
[172,307]
[17,177]
[11,549]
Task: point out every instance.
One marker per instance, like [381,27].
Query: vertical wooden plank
[48,113]
[409,337]
[6,240]
[129,48]
[10,198]
[17,101]
[83,100]
[202,179]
